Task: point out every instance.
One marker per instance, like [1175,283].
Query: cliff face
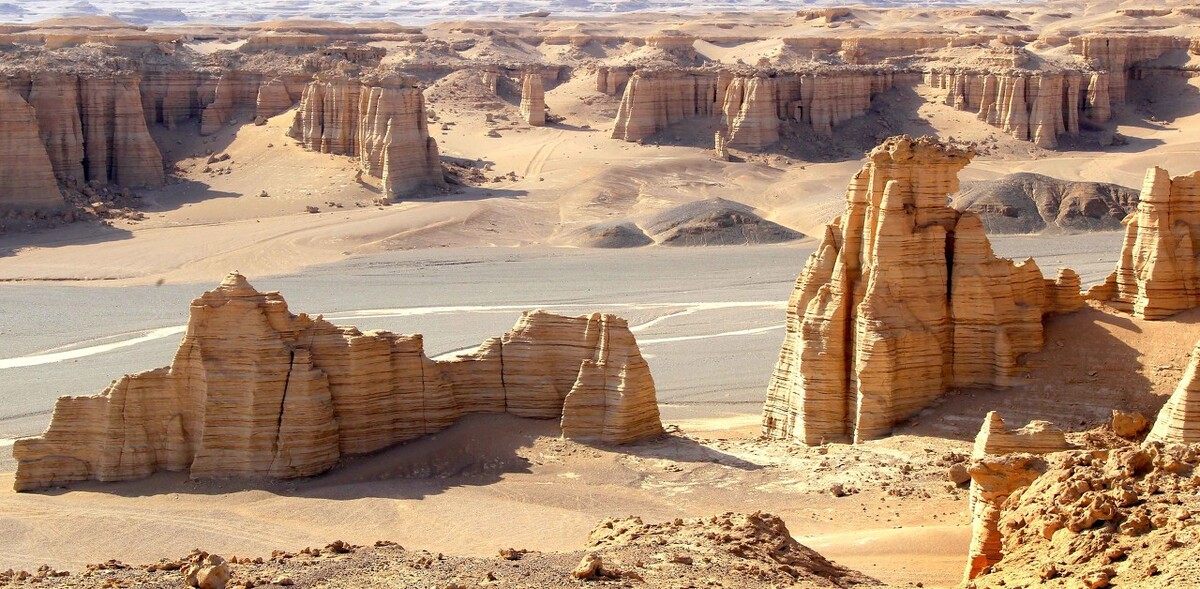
[1179,420]
[902,300]
[1118,53]
[1158,273]
[383,125]
[533,100]
[257,391]
[751,107]
[26,174]
[1037,107]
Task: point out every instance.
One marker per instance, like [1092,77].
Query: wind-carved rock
[1158,273]
[533,100]
[26,175]
[257,391]
[752,107]
[1036,106]
[1178,421]
[997,470]
[1117,54]
[272,99]
[382,123]
[902,300]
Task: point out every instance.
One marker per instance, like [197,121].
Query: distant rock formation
[1178,421]
[1028,203]
[381,122]
[751,107]
[26,176]
[1118,53]
[996,472]
[257,391]
[902,300]
[715,221]
[1158,273]
[533,100]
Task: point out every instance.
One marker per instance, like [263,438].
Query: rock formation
[257,391]
[1158,273]
[996,472]
[26,175]
[1029,203]
[1118,53]
[1179,420]
[382,122]
[902,300]
[751,107]
[272,99]
[533,99]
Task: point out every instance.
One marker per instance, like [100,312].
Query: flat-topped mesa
[752,107]
[996,472]
[1037,106]
[902,301]
[1117,54]
[533,99]
[1178,421]
[380,121]
[1158,273]
[257,391]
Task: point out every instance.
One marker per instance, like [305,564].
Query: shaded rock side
[26,175]
[1118,53]
[902,300]
[1158,273]
[715,221]
[1029,203]
[533,100]
[383,124]
[257,391]
[1178,421]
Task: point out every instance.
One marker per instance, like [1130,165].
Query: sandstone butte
[381,121]
[902,300]
[533,99]
[257,391]
[1178,421]
[996,472]
[1158,273]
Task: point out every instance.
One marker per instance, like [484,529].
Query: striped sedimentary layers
[257,391]
[1179,420]
[902,300]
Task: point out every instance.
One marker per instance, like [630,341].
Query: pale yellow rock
[1116,53]
[902,300]
[1037,106]
[533,99]
[257,391]
[117,144]
[1178,422]
[1128,424]
[272,99]
[751,112]
[26,175]
[55,99]
[1158,273]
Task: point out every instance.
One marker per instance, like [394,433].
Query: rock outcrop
[257,391]
[381,122]
[751,107]
[1029,203]
[902,300]
[1003,462]
[1178,421]
[1158,273]
[533,100]
[1118,53]
[26,175]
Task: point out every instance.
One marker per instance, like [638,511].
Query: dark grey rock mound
[613,234]
[1032,203]
[715,221]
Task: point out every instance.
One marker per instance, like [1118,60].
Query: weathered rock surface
[1028,203]
[1158,273]
[26,175]
[902,300]
[1178,421]
[533,99]
[382,122]
[257,391]
[715,221]
[1119,53]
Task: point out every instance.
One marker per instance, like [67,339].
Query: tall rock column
[26,174]
[117,145]
[533,100]
[1179,420]
[55,98]
[395,145]
[750,111]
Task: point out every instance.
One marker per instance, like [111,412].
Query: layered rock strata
[751,107]
[381,122]
[1158,273]
[257,391]
[533,100]
[26,175]
[1037,106]
[1003,462]
[1178,421]
[1117,54]
[902,300]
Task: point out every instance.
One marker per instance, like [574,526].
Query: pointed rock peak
[236,285]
